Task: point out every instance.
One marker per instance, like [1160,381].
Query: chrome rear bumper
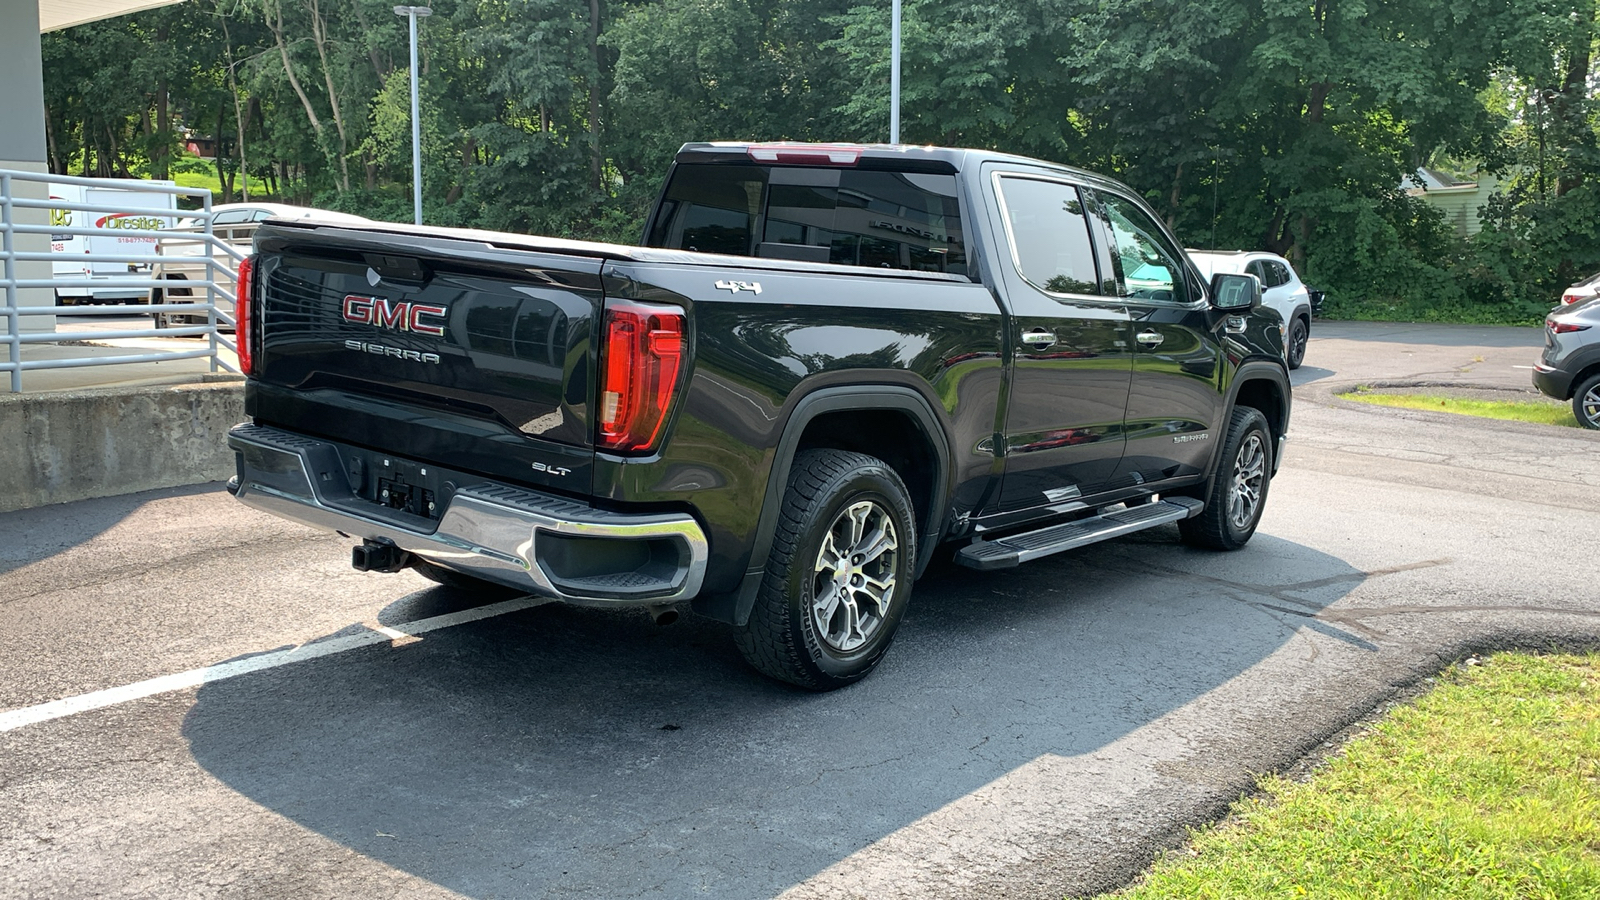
[531,541]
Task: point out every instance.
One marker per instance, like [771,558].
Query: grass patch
[1513,410]
[1486,787]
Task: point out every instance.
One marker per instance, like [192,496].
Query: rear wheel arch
[891,435]
[1583,375]
[896,424]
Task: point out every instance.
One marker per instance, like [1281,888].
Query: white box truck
[143,211]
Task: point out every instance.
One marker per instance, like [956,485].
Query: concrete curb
[75,445]
[1325,393]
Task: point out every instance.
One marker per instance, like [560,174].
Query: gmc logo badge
[396,316]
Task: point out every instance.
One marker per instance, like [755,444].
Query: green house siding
[1460,203]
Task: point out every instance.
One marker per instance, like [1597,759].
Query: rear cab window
[858,217]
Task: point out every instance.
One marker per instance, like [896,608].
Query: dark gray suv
[1569,369]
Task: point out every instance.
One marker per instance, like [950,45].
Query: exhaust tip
[664,615]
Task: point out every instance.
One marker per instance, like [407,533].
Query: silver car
[1569,368]
[182,257]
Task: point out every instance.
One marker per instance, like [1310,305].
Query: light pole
[412,12]
[894,78]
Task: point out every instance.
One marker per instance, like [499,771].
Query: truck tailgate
[453,352]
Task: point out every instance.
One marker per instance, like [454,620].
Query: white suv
[1281,289]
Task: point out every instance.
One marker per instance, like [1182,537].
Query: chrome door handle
[1149,338]
[1039,339]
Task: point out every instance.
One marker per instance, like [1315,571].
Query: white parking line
[70,706]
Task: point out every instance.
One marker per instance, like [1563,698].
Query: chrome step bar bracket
[1008,552]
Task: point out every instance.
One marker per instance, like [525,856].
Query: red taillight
[1564,327]
[641,356]
[1570,297]
[805,154]
[243,332]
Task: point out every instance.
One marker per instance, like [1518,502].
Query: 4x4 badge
[735,287]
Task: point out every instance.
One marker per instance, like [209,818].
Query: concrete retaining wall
[73,445]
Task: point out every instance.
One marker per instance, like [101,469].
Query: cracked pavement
[1034,733]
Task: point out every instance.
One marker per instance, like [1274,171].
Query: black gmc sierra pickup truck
[826,364]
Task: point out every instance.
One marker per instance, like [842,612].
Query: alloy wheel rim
[853,580]
[1249,473]
[1591,405]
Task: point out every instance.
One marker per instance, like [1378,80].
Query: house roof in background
[1433,180]
[55,15]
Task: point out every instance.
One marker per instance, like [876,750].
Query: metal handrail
[197,230]
[30,203]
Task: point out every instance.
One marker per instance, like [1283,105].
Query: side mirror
[1235,292]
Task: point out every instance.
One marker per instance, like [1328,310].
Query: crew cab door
[1071,362]
[1175,404]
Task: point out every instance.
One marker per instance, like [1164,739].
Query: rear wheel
[1239,489]
[1295,349]
[839,575]
[1586,402]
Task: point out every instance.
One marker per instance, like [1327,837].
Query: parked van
[144,210]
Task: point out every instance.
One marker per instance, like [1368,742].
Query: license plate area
[409,498]
[396,484]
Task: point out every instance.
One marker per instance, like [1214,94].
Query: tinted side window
[1049,235]
[231,217]
[1278,272]
[711,209]
[891,220]
[1150,268]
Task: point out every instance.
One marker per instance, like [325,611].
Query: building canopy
[55,15]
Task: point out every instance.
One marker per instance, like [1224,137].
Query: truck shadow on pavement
[31,536]
[568,752]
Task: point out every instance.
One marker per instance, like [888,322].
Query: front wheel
[1295,349]
[1238,492]
[839,575]
[1586,402]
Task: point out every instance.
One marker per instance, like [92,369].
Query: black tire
[1586,402]
[158,297]
[466,583]
[1295,348]
[1238,492]
[833,496]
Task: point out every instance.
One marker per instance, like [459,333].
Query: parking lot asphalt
[1034,733]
